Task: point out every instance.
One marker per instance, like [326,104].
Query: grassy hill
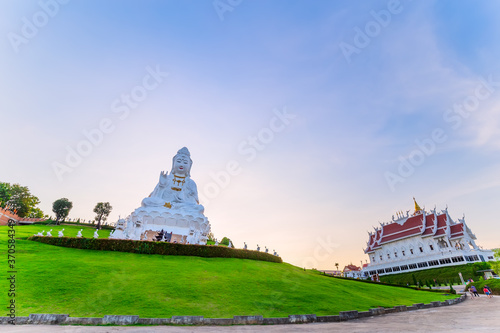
[88,283]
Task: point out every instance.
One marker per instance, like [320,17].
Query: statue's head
[181,163]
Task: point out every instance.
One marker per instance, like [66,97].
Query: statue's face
[181,165]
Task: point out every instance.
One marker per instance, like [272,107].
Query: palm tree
[337,265]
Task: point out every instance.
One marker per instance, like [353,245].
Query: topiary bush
[148,247]
[452,291]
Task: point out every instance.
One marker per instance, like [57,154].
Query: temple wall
[6,215]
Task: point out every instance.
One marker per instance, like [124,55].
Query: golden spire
[417,207]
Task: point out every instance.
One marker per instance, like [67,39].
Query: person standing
[491,293]
[487,291]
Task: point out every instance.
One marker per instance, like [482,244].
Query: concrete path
[479,314]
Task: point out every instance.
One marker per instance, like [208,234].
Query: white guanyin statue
[49,233]
[96,235]
[79,234]
[60,233]
[173,206]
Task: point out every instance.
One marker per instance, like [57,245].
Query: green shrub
[382,283]
[442,275]
[224,241]
[452,291]
[146,247]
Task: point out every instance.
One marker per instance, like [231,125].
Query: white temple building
[421,241]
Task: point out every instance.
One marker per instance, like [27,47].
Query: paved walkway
[479,314]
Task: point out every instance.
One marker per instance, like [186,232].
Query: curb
[64,319]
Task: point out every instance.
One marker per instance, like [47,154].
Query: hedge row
[442,275]
[386,284]
[164,248]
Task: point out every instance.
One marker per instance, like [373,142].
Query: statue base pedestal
[187,227]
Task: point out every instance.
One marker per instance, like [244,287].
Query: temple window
[403,252]
[432,247]
[388,256]
[421,249]
[411,251]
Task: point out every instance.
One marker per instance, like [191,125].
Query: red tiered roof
[457,230]
[432,225]
[429,225]
[374,241]
[371,240]
[441,225]
[395,231]
[351,268]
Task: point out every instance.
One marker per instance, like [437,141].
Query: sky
[309,123]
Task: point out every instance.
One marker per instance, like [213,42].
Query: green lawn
[88,283]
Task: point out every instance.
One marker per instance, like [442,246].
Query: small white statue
[60,233]
[258,247]
[96,235]
[216,243]
[79,234]
[274,252]
[245,247]
[39,233]
[48,233]
[267,250]
[230,244]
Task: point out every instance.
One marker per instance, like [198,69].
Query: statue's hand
[163,178]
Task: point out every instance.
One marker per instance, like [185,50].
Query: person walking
[491,293]
[471,293]
[474,290]
[487,291]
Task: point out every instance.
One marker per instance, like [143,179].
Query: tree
[61,208]
[452,291]
[495,265]
[19,200]
[37,213]
[414,279]
[225,241]
[337,265]
[5,194]
[102,209]
[211,236]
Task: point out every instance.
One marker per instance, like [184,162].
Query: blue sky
[318,178]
